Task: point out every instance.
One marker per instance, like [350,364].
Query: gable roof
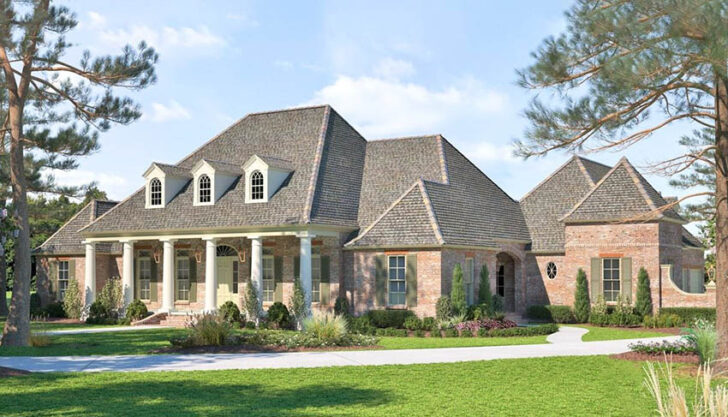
[220,166]
[170,170]
[622,194]
[545,205]
[68,241]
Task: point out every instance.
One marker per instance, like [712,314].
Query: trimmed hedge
[690,314]
[388,318]
[542,329]
[552,313]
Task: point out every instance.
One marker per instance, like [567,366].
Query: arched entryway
[506,280]
[228,266]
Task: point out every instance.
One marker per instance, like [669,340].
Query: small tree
[443,308]
[485,296]
[457,293]
[252,306]
[72,300]
[297,304]
[581,298]
[643,303]
[110,295]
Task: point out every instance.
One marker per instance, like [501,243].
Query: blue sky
[390,68]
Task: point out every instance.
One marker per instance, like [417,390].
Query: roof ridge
[69,221]
[309,107]
[553,174]
[637,178]
[588,194]
[308,206]
[349,124]
[584,171]
[430,136]
[443,161]
[431,212]
[592,161]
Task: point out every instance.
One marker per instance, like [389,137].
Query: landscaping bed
[658,357]
[255,349]
[10,372]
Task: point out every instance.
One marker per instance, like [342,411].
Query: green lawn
[583,386]
[41,326]
[597,333]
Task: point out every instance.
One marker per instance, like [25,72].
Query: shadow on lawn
[221,393]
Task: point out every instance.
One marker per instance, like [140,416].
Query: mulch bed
[254,349]
[8,372]
[641,357]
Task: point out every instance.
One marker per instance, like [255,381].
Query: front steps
[174,319]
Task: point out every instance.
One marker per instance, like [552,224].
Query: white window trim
[389,281]
[149,259]
[315,258]
[618,280]
[249,183]
[272,279]
[62,292]
[149,193]
[177,279]
[196,197]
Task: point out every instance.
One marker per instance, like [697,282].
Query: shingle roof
[545,205]
[623,194]
[67,240]
[172,170]
[277,162]
[225,167]
[689,240]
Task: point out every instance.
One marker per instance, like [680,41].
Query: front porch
[192,274]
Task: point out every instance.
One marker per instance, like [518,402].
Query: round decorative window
[551,270]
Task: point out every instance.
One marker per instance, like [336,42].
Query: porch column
[168,275]
[210,275]
[90,275]
[305,272]
[127,271]
[256,267]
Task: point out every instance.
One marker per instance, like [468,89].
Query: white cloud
[243,20]
[96,20]
[165,113]
[391,68]
[386,108]
[114,185]
[164,39]
[282,63]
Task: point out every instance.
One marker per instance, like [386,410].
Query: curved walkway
[564,343]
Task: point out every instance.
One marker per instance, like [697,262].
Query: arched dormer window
[204,189]
[256,186]
[155,192]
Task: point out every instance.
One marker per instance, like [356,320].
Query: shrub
[207,330]
[663,320]
[389,318]
[487,324]
[540,330]
[229,312]
[341,306]
[435,331]
[380,332]
[413,323]
[581,298]
[485,296]
[450,333]
[297,303]
[497,304]
[55,310]
[298,339]
[361,325]
[428,322]
[679,347]
[278,316]
[419,333]
[704,338]
[392,332]
[136,310]
[250,302]
[457,292]
[110,296]
[72,300]
[35,307]
[482,333]
[443,308]
[643,301]
[710,399]
[466,333]
[250,325]
[325,326]
[691,314]
[39,340]
[99,313]
[552,313]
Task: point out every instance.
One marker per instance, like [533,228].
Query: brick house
[300,193]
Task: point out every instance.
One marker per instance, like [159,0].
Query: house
[300,193]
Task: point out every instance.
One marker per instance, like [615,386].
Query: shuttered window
[468,280]
[63,274]
[145,278]
[183,276]
[316,274]
[397,286]
[610,279]
[269,285]
[236,276]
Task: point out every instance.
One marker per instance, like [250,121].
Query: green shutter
[278,278]
[411,280]
[193,279]
[153,281]
[324,288]
[380,280]
[72,269]
[297,267]
[53,278]
[625,276]
[596,279]
[137,283]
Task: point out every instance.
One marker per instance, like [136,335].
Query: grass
[431,343]
[545,386]
[50,326]
[597,333]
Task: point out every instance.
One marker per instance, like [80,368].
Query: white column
[168,275]
[305,256]
[127,271]
[256,267]
[210,275]
[90,275]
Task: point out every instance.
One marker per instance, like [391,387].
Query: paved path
[567,335]
[565,344]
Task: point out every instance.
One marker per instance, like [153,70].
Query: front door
[225,280]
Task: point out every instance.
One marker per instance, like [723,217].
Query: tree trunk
[721,214]
[17,326]
[3,282]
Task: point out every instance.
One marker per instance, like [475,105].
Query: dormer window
[256,186]
[155,192]
[205,189]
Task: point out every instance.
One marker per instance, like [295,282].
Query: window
[236,277]
[551,270]
[63,274]
[145,278]
[256,186]
[155,192]
[500,283]
[269,284]
[183,276]
[396,280]
[610,277]
[316,274]
[468,280]
[204,189]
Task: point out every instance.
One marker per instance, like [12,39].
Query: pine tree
[46,98]
[457,293]
[643,303]
[297,304]
[581,298]
[618,63]
[251,302]
[485,296]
